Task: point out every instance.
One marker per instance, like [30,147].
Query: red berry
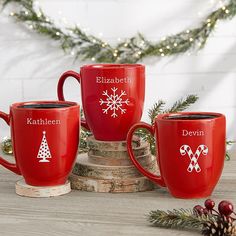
[209,204]
[198,210]
[226,208]
[205,211]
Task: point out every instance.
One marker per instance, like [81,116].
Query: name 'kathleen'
[41,121]
[104,80]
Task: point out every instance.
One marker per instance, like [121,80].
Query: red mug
[112,97]
[191,152]
[45,138]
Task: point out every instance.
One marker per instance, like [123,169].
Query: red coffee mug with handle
[191,152]
[45,138]
[112,97]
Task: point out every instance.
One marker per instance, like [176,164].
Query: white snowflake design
[114,102]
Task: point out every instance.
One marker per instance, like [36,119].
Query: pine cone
[220,227]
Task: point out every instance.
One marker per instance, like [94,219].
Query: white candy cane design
[193,156]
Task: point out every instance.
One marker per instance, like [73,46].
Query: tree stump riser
[143,160]
[112,185]
[94,144]
[119,154]
[87,169]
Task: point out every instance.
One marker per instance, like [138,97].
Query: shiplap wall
[30,65]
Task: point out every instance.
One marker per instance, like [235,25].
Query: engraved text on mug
[104,80]
[40,121]
[192,133]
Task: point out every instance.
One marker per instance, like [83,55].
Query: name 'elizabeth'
[104,80]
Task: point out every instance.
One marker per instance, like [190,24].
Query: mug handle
[155,178]
[60,92]
[10,166]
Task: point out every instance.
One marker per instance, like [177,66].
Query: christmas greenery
[207,220]
[84,46]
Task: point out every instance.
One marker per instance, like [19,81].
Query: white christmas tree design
[44,152]
[114,102]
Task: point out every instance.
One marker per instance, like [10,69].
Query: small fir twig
[178,219]
[158,108]
[206,220]
[228,144]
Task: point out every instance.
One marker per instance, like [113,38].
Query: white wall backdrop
[30,65]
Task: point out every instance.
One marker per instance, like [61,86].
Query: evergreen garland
[88,47]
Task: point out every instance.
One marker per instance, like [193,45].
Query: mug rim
[112,66]
[162,117]
[16,106]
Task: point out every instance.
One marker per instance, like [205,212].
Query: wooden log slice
[108,161]
[142,150]
[111,145]
[138,184]
[26,190]
[84,168]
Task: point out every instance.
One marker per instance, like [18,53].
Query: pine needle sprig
[182,104]
[228,144]
[178,219]
[158,108]
[132,50]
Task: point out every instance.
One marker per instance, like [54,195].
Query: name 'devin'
[40,121]
[192,132]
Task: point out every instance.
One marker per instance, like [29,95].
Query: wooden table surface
[86,213]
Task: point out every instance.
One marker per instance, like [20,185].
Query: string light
[39,14]
[72,53]
[165,48]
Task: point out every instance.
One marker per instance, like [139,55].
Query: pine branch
[155,110]
[228,143]
[132,50]
[182,105]
[178,219]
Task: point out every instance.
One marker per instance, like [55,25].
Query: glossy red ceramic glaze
[191,153]
[112,97]
[41,132]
